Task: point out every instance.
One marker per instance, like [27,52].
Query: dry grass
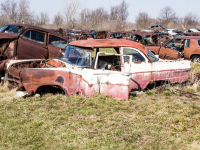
[151,120]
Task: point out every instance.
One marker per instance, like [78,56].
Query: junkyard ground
[155,119]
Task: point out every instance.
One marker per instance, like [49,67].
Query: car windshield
[76,56]
[151,56]
[12,29]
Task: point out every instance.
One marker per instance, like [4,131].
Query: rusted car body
[187,47]
[75,35]
[21,41]
[147,38]
[108,35]
[132,67]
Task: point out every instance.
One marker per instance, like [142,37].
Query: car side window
[136,56]
[199,42]
[34,36]
[27,34]
[56,41]
[187,43]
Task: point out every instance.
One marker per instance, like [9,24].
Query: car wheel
[196,59]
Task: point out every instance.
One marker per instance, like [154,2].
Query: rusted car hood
[8,36]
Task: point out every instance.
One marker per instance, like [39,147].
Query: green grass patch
[98,122]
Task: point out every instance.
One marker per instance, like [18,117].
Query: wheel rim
[197,60]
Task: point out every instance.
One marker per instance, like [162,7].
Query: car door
[55,45]
[187,49]
[169,51]
[32,45]
[140,68]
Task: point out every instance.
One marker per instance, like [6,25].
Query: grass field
[152,120]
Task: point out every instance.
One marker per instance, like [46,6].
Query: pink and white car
[131,67]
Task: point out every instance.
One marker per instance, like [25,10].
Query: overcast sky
[152,7]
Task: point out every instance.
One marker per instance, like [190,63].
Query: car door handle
[45,47]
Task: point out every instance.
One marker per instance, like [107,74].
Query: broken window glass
[76,56]
[151,56]
[56,41]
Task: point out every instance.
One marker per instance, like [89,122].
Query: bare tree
[58,19]
[43,19]
[190,20]
[71,11]
[167,15]
[24,9]
[33,18]
[114,13]
[98,16]
[143,20]
[123,11]
[84,19]
[9,9]
[85,16]
[119,12]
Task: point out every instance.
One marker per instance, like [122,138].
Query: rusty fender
[86,83]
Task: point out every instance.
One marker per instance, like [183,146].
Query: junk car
[131,66]
[22,41]
[146,38]
[187,47]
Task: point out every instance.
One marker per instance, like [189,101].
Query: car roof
[108,43]
[28,26]
[188,37]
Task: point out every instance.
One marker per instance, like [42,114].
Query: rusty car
[23,41]
[75,35]
[147,38]
[131,66]
[187,47]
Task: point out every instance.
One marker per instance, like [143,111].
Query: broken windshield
[12,29]
[76,56]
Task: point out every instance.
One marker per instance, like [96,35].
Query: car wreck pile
[58,66]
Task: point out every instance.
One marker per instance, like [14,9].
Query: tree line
[116,19]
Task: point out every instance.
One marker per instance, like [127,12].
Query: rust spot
[60,79]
